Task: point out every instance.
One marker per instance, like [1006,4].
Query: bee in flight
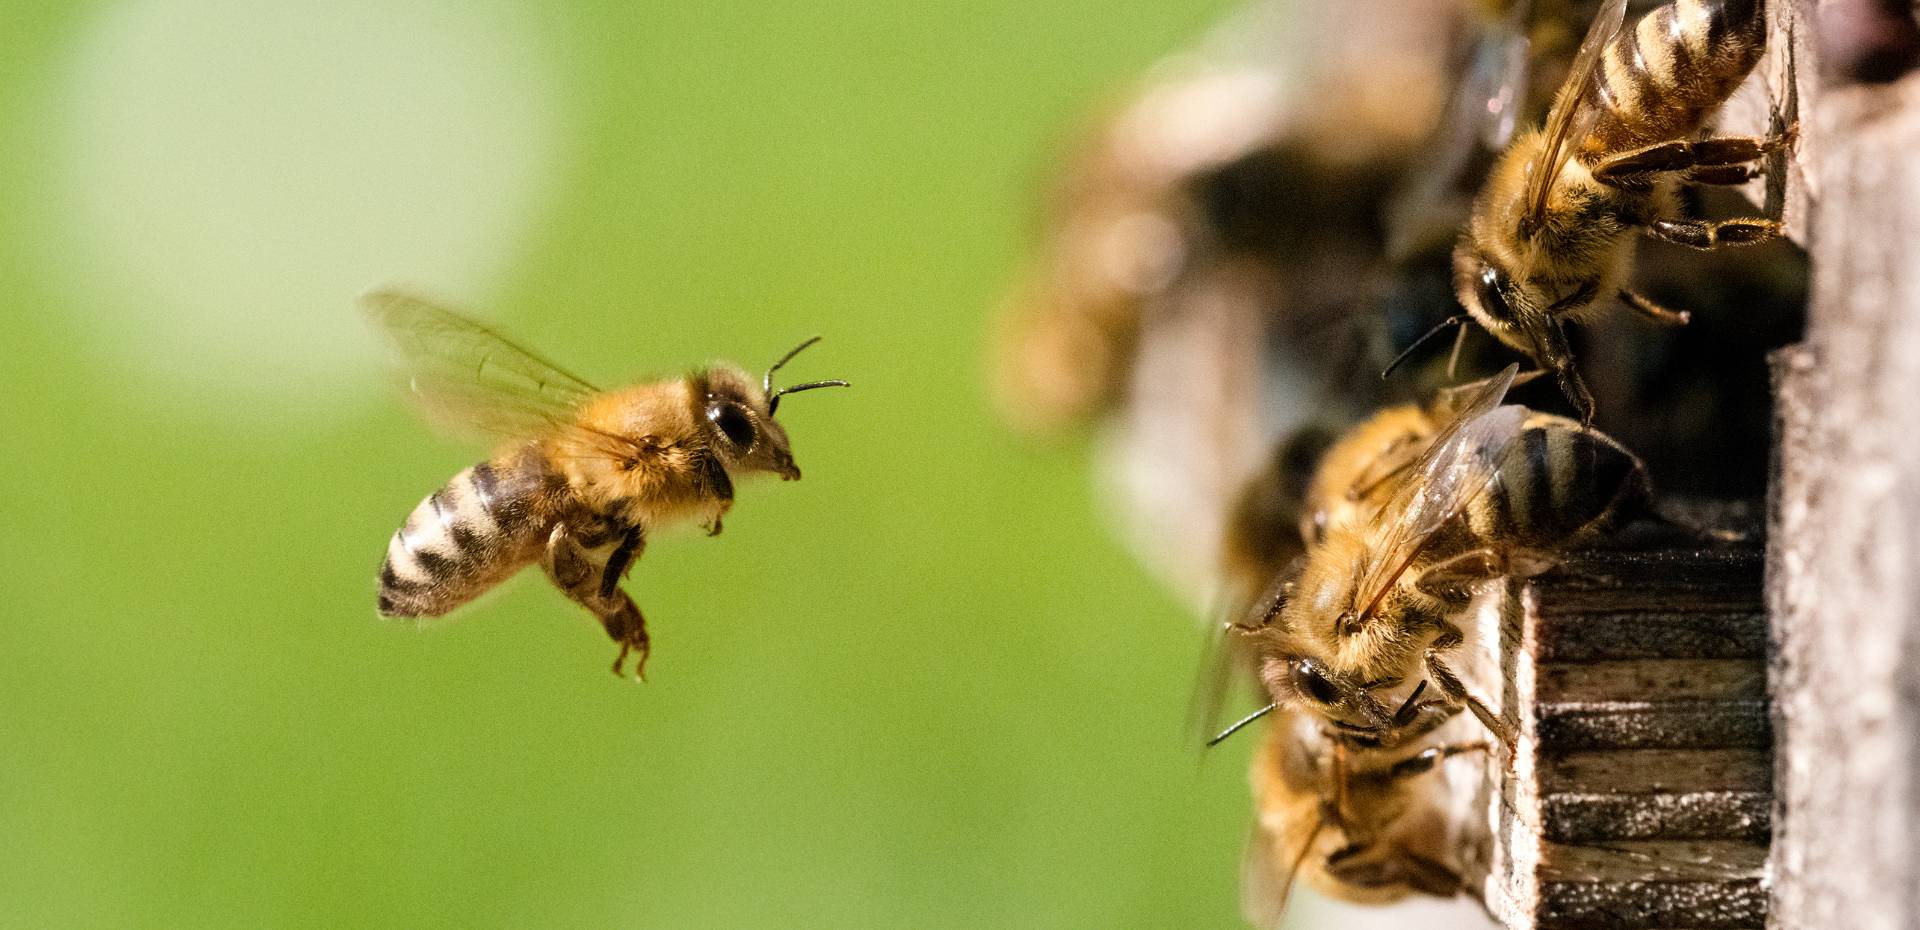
[1551,236]
[1490,491]
[583,477]
[1365,824]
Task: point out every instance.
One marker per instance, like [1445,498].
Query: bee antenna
[1438,328]
[773,400]
[766,384]
[1241,723]
[773,396]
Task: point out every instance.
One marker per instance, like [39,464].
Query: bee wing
[1462,461]
[1228,659]
[1223,661]
[469,378]
[1265,884]
[1434,198]
[1571,116]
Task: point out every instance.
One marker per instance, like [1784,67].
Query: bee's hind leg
[594,585]
[1689,156]
[1455,690]
[1712,234]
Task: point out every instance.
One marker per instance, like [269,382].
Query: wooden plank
[1683,679]
[1647,770]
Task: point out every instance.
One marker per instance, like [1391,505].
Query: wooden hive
[1641,791]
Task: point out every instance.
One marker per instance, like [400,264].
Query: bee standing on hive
[585,474]
[1489,491]
[1552,234]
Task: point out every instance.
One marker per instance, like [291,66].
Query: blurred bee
[1552,234]
[1364,824]
[1492,491]
[585,474]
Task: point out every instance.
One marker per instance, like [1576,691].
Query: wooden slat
[1645,770]
[1587,725]
[1670,679]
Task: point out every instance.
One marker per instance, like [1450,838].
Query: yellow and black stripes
[1559,484]
[463,538]
[1662,78]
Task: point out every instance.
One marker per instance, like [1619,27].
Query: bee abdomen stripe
[456,522]
[460,540]
[1539,477]
[503,499]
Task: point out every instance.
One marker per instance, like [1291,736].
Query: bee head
[1518,312]
[1494,299]
[738,417]
[1343,701]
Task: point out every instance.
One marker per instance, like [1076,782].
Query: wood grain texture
[1846,503]
[1642,792]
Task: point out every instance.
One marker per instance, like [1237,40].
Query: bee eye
[732,422]
[1308,680]
[1491,288]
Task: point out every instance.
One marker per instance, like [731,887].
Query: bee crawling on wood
[1435,502]
[585,474]
[1552,233]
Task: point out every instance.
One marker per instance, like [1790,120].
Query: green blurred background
[922,687]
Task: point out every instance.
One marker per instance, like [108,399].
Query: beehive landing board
[1641,792]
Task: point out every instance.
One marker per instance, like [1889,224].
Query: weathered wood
[1846,496]
[1641,792]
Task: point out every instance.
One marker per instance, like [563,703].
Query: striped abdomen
[1559,485]
[1662,78]
[463,539]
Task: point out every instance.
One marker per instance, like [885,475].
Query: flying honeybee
[585,474]
[1364,824]
[1493,491]
[1552,234]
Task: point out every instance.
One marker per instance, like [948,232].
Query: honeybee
[584,476]
[1364,824]
[1552,234]
[1492,491]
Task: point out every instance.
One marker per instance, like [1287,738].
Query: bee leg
[1455,690]
[1430,758]
[574,571]
[1724,175]
[623,555]
[1644,305]
[1681,155]
[1712,234]
[628,627]
[1447,579]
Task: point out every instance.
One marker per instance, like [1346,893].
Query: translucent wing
[1434,198]
[1228,660]
[1571,117]
[1266,884]
[468,377]
[1462,461]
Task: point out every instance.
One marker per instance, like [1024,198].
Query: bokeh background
[922,687]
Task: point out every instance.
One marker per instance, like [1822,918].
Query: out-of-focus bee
[1493,491]
[1552,235]
[1365,824]
[1193,291]
[585,474]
